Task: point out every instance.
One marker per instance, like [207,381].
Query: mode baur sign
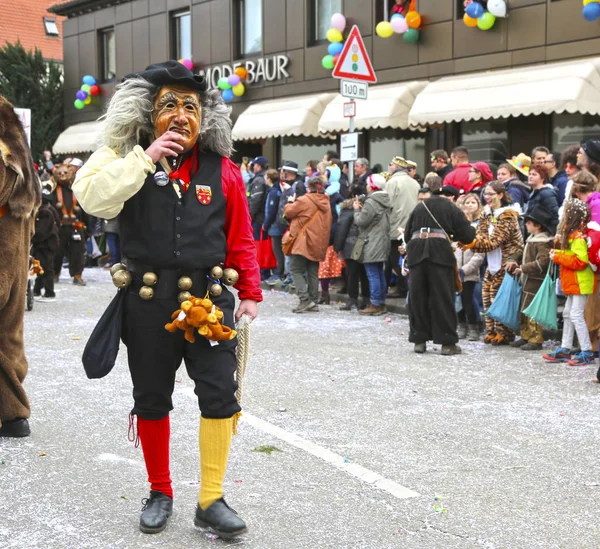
[263,69]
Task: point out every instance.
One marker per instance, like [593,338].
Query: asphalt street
[349,440]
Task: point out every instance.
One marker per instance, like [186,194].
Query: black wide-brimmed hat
[592,149]
[171,73]
[541,216]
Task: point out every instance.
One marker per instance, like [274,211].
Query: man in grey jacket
[403,191]
[257,194]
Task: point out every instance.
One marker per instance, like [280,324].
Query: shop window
[181,35]
[387,143]
[303,149]
[487,141]
[51,26]
[249,22]
[108,55]
[569,129]
[322,10]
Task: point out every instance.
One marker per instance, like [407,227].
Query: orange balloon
[413,19]
[241,72]
[469,21]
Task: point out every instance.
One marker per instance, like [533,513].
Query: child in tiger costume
[499,236]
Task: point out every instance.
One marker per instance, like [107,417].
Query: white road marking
[354,469]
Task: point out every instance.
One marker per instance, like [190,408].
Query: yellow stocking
[215,439]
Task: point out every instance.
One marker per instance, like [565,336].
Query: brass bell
[230,277]
[65,216]
[184,283]
[149,279]
[121,279]
[59,205]
[216,290]
[117,267]
[216,272]
[183,296]
[146,292]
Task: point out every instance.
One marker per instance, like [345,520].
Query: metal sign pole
[351,163]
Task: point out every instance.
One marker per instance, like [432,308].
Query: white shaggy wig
[128,118]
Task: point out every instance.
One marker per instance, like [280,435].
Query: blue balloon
[227,95]
[334,48]
[396,15]
[591,11]
[89,80]
[475,10]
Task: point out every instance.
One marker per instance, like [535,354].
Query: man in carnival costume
[164,169]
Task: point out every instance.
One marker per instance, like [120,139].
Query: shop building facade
[532,79]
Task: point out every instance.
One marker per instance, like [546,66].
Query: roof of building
[24,21]
[71,8]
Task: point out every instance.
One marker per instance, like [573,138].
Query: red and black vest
[167,232]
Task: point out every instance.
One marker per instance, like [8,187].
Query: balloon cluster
[476,15]
[187,63]
[336,41]
[232,86]
[591,10]
[84,94]
[408,26]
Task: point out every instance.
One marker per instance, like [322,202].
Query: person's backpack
[593,242]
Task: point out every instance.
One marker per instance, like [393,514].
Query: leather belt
[166,285]
[426,232]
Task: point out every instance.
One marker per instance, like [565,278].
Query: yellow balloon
[88,100]
[586,2]
[384,29]
[334,35]
[238,90]
[469,21]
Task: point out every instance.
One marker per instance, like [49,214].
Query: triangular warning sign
[354,63]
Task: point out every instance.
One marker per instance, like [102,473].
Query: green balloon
[223,84]
[86,88]
[486,21]
[79,104]
[327,62]
[411,36]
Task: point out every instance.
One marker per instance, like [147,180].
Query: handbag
[264,252]
[506,305]
[100,353]
[288,240]
[358,250]
[543,308]
[458,286]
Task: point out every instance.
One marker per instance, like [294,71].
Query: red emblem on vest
[204,194]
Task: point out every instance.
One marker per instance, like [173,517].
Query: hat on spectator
[521,162]
[376,182]
[449,190]
[76,162]
[289,166]
[592,149]
[484,170]
[411,164]
[400,162]
[261,161]
[541,216]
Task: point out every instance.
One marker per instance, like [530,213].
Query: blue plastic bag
[505,308]
[543,308]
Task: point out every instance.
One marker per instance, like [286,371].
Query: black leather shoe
[16,428]
[221,519]
[156,512]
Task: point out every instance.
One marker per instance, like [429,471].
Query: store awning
[572,86]
[78,138]
[297,116]
[386,106]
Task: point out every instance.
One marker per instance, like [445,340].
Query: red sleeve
[241,250]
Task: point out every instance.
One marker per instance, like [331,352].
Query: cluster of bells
[121,279]
[72,217]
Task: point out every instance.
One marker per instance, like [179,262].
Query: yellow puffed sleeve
[106,181]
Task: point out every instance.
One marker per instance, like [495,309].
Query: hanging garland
[405,20]
[482,13]
[591,10]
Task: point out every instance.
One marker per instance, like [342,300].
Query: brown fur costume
[21,192]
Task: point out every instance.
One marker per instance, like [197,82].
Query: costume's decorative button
[161,179]
[178,218]
[178,235]
[179,203]
[177,253]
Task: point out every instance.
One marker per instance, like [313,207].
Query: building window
[250,26]
[108,55]
[303,149]
[323,10]
[181,32]
[386,143]
[569,129]
[51,26]
[486,140]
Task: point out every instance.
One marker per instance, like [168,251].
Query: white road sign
[349,147]
[353,89]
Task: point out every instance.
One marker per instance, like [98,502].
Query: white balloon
[497,7]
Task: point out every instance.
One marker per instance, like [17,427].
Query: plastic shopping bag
[543,308]
[505,308]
